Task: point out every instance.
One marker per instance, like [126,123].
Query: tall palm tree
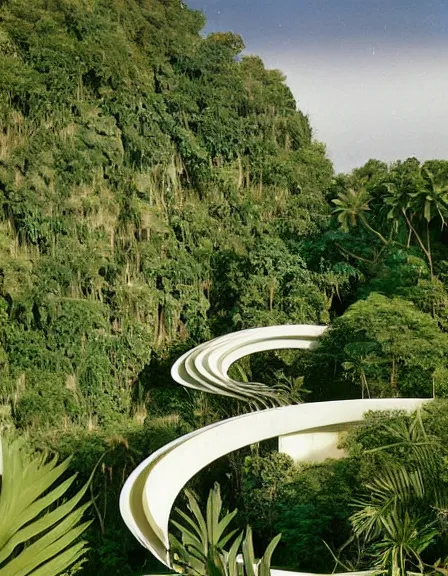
[432,197]
[419,204]
[351,207]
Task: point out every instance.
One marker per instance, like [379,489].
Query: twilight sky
[371,74]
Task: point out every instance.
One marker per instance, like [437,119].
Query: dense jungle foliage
[384,506]
[158,188]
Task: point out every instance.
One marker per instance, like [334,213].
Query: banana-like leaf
[188,538]
[36,538]
[190,521]
[59,563]
[227,538]
[215,526]
[214,506]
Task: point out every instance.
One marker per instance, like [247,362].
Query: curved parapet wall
[150,491]
[206,366]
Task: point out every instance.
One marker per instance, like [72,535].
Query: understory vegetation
[159,188]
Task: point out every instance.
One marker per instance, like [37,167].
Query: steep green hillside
[154,187]
[157,188]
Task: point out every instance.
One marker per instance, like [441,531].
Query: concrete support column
[314,446]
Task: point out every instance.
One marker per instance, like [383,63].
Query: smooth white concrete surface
[205,367]
[275,572]
[311,446]
[150,491]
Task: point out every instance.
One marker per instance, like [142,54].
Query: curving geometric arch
[206,366]
[150,491]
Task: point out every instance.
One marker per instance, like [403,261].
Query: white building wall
[311,446]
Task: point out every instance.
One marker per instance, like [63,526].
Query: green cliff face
[153,188]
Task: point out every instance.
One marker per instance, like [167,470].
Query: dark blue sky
[305,22]
[372,74]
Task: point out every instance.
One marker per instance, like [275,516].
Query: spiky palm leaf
[202,538]
[202,552]
[390,491]
[423,454]
[389,522]
[37,537]
[403,541]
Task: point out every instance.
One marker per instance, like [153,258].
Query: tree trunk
[240,173]
[367,225]
[393,376]
[420,241]
[428,247]
[364,384]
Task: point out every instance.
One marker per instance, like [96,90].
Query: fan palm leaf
[391,522]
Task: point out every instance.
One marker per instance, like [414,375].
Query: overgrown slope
[153,188]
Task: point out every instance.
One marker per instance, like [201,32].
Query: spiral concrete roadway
[150,491]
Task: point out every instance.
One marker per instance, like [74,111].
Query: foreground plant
[398,520]
[39,534]
[202,553]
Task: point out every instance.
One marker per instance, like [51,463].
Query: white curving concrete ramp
[151,490]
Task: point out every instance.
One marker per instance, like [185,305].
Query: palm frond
[36,537]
